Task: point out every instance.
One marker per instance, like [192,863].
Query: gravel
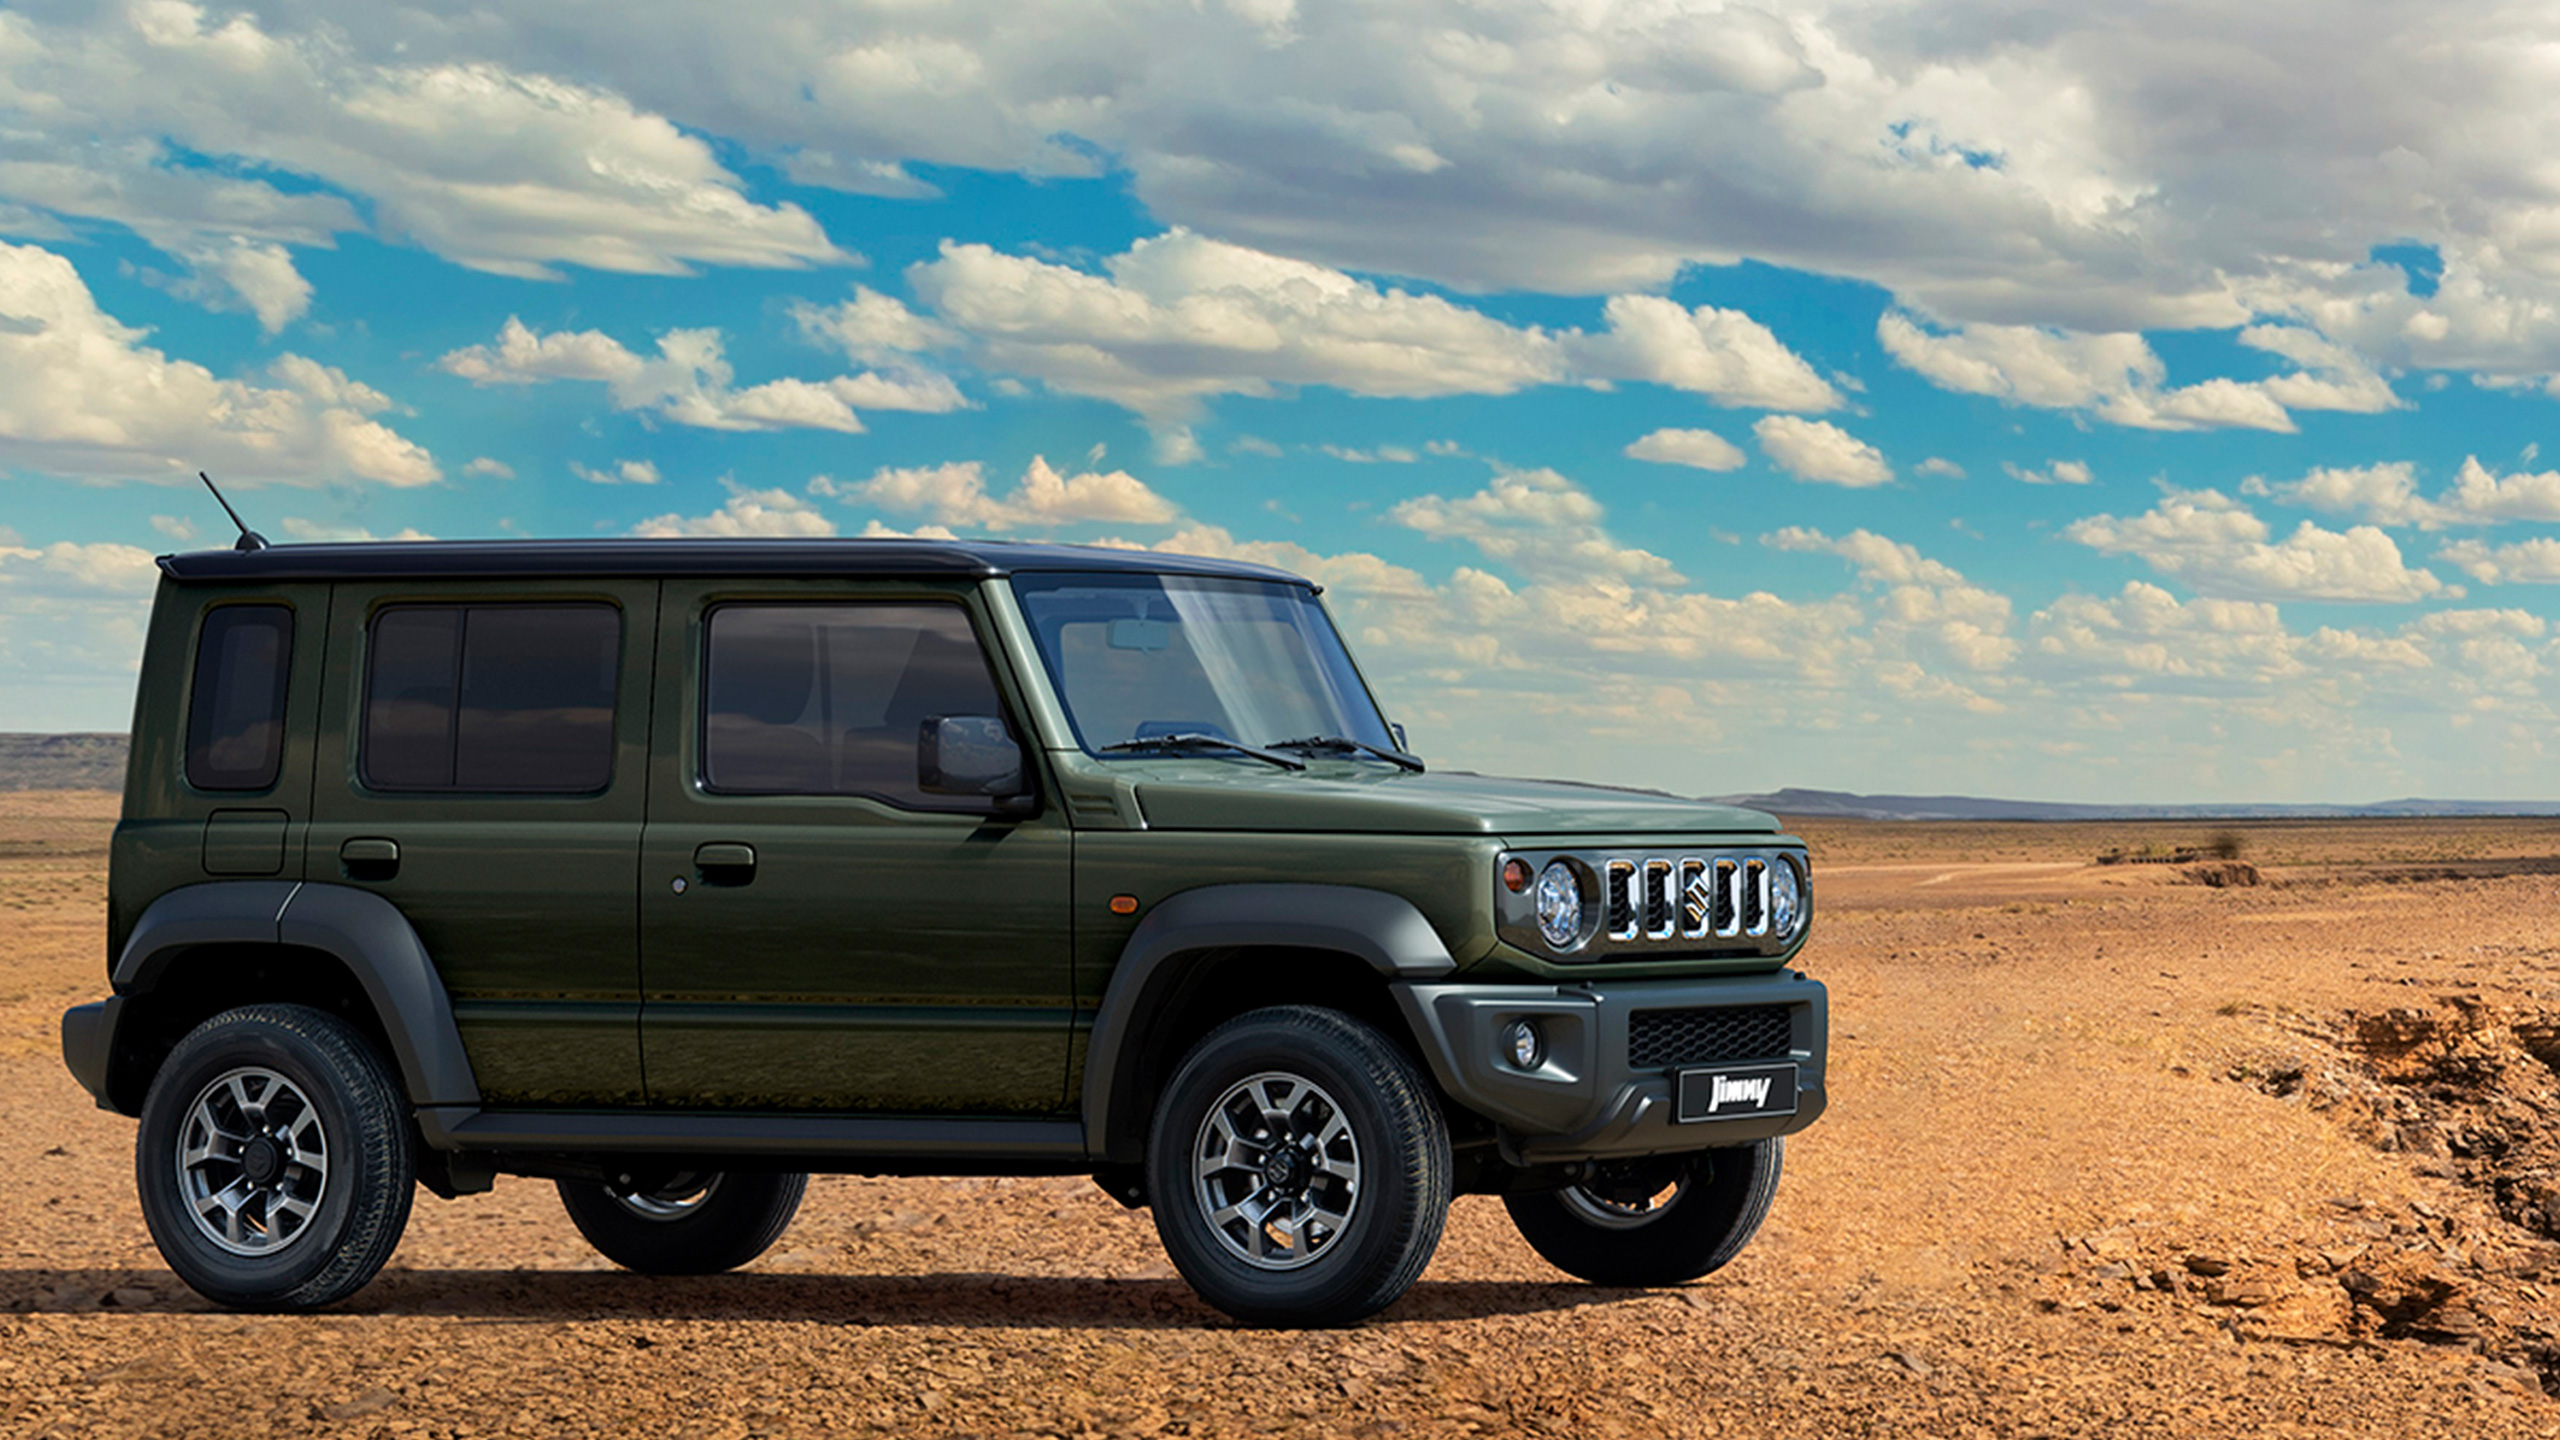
[2063,1189]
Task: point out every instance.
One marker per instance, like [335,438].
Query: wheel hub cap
[260,1159]
[1277,1171]
[1285,1169]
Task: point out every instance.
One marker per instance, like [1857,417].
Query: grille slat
[1659,921]
[1620,879]
[1660,1038]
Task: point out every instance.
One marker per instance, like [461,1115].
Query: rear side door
[482,764]
[818,933]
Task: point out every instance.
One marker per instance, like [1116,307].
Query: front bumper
[1585,1100]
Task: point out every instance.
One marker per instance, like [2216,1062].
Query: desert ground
[2112,1150]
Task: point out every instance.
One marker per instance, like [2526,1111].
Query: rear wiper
[1340,743]
[1196,741]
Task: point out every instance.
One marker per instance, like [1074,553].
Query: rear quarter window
[235,708]
[514,698]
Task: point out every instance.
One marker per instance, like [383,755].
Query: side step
[909,1145]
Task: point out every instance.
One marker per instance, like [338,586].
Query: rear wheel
[1299,1168]
[687,1222]
[1663,1220]
[274,1159]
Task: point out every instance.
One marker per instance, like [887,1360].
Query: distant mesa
[62,762]
[96,762]
[1842,805]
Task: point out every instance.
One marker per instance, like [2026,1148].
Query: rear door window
[831,699]
[235,713]
[514,698]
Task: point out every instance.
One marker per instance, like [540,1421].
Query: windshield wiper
[1336,744]
[1194,740]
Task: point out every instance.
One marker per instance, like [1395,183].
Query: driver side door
[818,934]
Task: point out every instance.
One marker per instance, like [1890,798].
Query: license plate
[1739,1092]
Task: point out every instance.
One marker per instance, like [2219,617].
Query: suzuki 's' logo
[1754,1093]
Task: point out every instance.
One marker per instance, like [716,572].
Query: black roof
[424,559]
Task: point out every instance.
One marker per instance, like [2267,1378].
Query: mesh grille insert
[1656,1038]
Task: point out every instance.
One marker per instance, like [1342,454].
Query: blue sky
[1966,397]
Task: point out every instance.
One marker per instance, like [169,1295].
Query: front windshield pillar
[1048,717]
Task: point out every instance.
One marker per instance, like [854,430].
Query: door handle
[370,858]
[725,863]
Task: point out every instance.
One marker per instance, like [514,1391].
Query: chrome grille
[1712,900]
[1661,1038]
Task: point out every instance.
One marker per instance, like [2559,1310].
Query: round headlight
[1786,897]
[1559,905]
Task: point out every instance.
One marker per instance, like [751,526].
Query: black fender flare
[361,930]
[1385,931]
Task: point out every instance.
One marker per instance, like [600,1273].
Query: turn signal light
[1515,876]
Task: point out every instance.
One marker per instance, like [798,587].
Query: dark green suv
[673,871]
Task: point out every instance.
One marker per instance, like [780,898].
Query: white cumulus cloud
[2120,379]
[81,394]
[1702,449]
[1820,451]
[2525,562]
[748,513]
[690,381]
[2216,544]
[621,472]
[956,495]
[1724,355]
[2056,472]
[475,158]
[1180,318]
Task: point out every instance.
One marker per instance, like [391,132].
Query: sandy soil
[2110,1152]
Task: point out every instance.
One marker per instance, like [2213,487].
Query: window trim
[960,805]
[363,730]
[283,698]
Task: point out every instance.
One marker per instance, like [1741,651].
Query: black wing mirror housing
[975,756]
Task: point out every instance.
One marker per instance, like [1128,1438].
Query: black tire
[690,1223]
[1321,1065]
[318,1160]
[1602,1231]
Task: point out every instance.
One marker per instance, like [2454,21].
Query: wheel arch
[204,948]
[1347,942]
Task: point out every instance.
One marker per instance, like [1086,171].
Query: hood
[1225,795]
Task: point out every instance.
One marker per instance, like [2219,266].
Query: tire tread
[1412,1106]
[384,1179]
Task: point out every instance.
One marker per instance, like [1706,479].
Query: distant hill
[62,762]
[1840,804]
[96,762]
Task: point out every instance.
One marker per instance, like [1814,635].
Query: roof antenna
[249,539]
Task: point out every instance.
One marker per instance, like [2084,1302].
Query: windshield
[1139,657]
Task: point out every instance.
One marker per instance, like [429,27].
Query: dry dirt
[2110,1151]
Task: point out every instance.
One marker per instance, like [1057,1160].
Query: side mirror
[1401,743]
[972,755]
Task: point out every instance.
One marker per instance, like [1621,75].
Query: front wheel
[1299,1168]
[274,1160]
[1664,1220]
[690,1222]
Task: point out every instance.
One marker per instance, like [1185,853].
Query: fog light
[1526,1044]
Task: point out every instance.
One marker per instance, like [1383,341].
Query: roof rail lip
[852,556]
